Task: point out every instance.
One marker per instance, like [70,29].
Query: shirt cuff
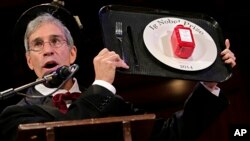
[106,85]
[215,91]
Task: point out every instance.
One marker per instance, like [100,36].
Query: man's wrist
[214,90]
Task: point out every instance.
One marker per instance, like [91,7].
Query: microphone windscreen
[59,76]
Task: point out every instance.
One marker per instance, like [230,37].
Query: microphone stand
[10,92]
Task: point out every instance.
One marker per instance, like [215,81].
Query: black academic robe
[199,111]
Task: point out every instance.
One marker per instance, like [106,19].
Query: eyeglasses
[38,45]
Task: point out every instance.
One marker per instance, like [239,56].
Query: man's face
[49,58]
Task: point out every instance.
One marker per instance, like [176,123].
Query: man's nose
[47,48]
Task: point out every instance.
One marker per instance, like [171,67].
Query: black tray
[135,19]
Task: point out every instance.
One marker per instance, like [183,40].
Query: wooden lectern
[122,128]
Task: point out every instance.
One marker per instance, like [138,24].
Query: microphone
[57,77]
[52,80]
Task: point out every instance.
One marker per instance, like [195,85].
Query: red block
[182,40]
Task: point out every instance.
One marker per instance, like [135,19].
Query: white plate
[157,38]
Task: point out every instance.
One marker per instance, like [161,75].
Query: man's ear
[73,54]
[28,59]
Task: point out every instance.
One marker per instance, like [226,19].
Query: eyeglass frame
[61,40]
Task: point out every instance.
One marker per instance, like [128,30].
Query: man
[49,45]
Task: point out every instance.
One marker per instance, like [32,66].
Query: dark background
[154,94]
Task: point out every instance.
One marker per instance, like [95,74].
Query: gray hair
[45,18]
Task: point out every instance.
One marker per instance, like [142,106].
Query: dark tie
[59,100]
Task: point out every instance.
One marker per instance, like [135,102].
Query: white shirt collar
[46,91]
